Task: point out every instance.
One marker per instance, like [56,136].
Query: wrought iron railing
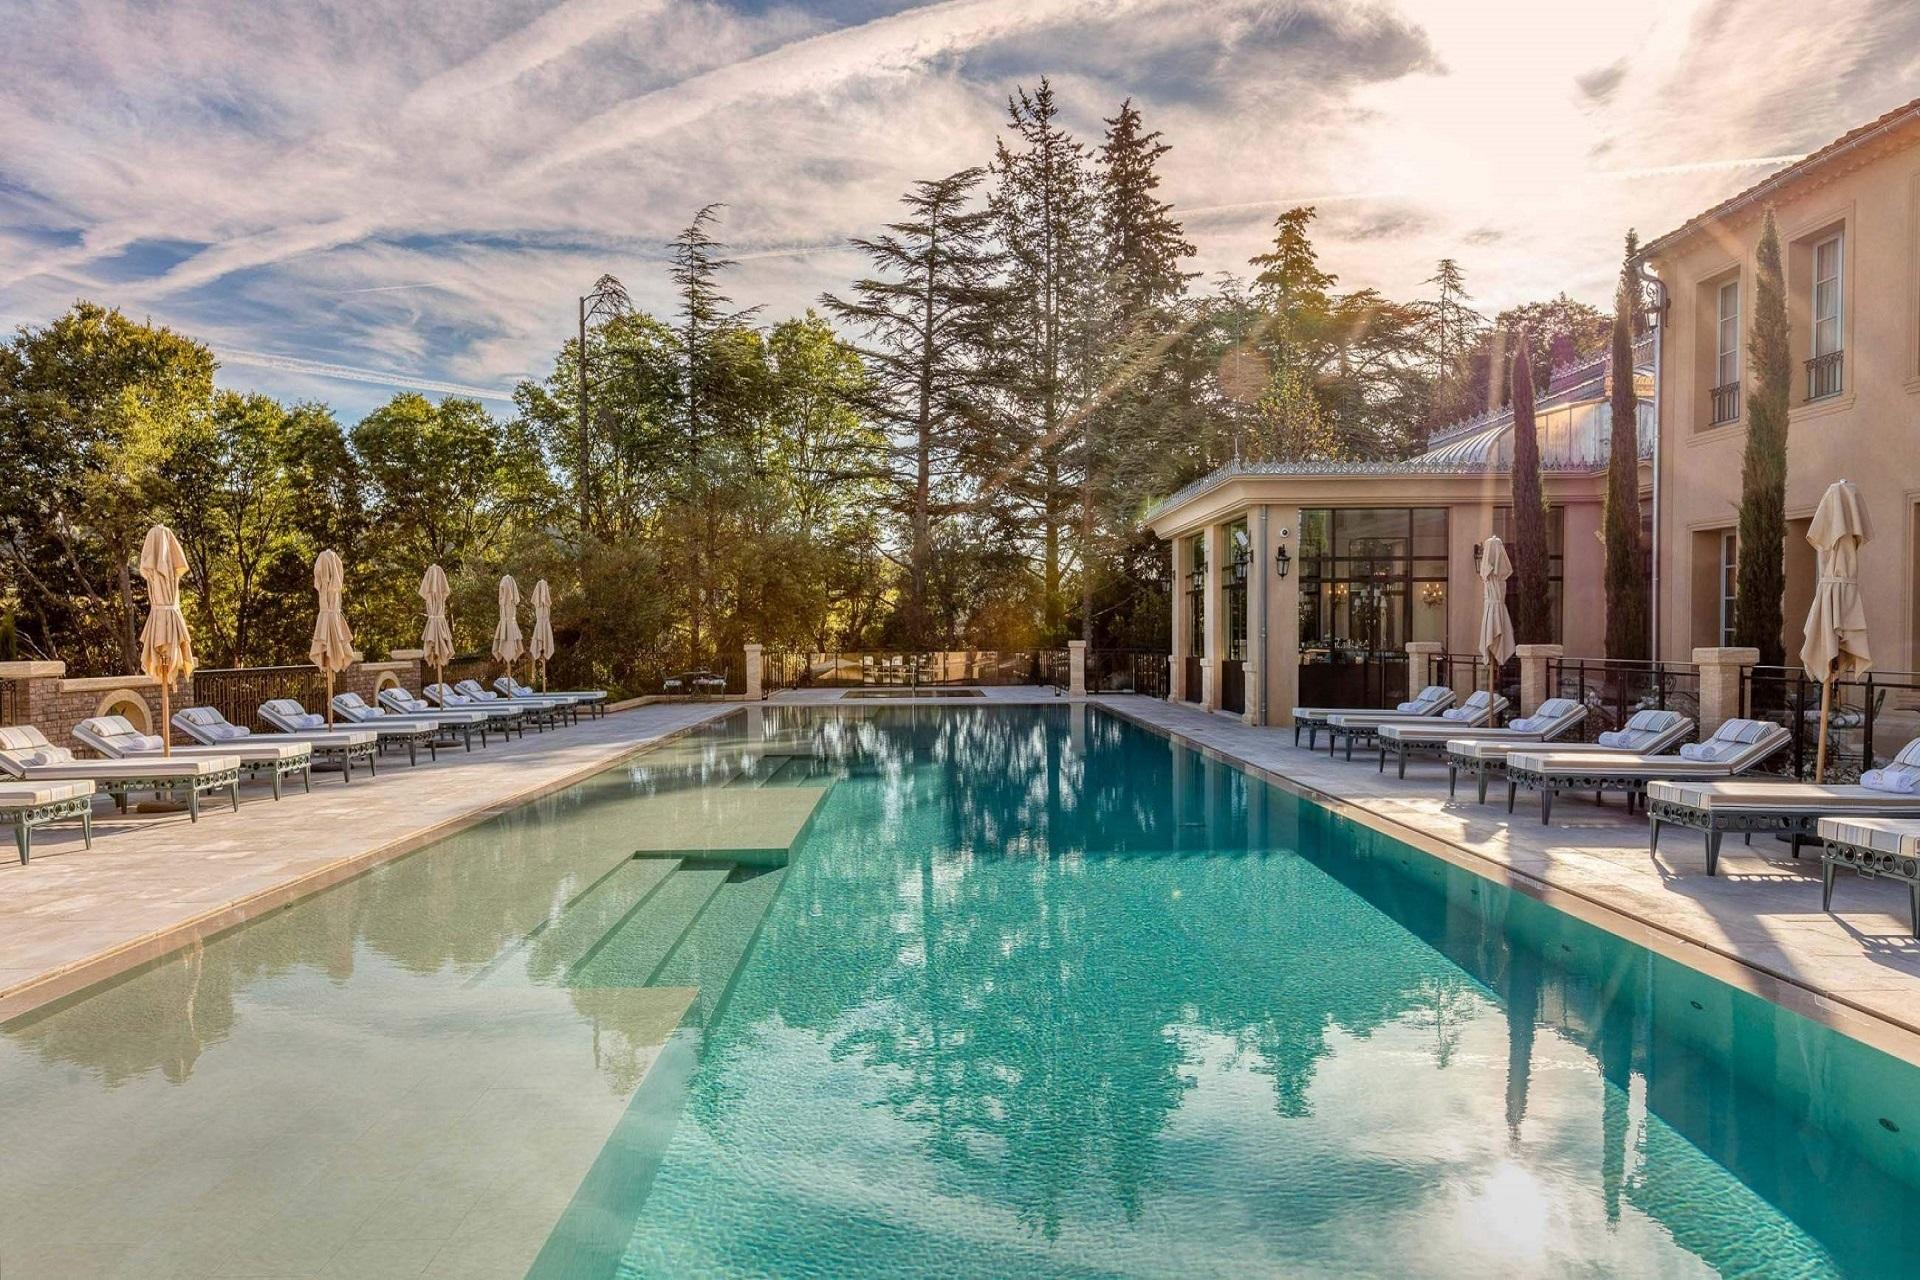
[1869,718]
[237,692]
[1194,675]
[1726,403]
[1613,689]
[13,702]
[1824,375]
[1468,671]
[1338,676]
[1138,671]
[850,669]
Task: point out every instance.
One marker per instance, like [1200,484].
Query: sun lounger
[1734,748]
[332,748]
[448,729]
[554,711]
[591,701]
[288,716]
[395,703]
[1430,701]
[499,711]
[1555,718]
[1749,806]
[115,738]
[1646,733]
[1888,847]
[26,754]
[1477,712]
[27,805]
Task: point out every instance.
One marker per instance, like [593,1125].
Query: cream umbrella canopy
[332,647]
[1836,633]
[506,633]
[166,649]
[542,647]
[1496,628]
[436,638]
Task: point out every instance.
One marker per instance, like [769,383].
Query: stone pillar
[1214,634]
[1720,684]
[1077,668]
[753,672]
[1177,645]
[1533,674]
[1419,668]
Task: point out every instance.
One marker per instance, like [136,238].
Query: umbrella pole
[1820,754]
[166,717]
[329,698]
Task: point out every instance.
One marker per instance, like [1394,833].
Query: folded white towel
[1899,781]
[1715,750]
[1616,738]
[311,720]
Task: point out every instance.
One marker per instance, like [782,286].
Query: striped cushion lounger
[27,805]
[1430,701]
[1647,732]
[288,716]
[1887,847]
[1479,711]
[26,754]
[444,728]
[1750,805]
[115,738]
[395,703]
[1735,747]
[553,711]
[499,711]
[591,701]
[339,748]
[1555,718]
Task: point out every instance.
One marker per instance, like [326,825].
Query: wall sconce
[1476,553]
[1282,560]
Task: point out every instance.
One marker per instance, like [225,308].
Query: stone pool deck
[155,882]
[1756,924]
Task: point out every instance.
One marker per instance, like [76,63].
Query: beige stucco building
[1305,583]
[1849,219]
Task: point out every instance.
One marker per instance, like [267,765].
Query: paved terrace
[1756,924]
[155,882]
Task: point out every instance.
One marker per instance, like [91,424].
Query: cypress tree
[1762,583]
[1534,623]
[1627,578]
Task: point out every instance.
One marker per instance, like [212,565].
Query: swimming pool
[1036,992]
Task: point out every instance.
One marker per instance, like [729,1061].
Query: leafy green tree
[1762,578]
[1628,585]
[1534,621]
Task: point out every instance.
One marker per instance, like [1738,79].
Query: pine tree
[924,315]
[1296,294]
[1628,586]
[1046,215]
[1143,246]
[1534,625]
[1762,585]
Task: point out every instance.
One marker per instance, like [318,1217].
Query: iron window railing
[1614,689]
[1824,375]
[1868,719]
[1726,403]
[1469,671]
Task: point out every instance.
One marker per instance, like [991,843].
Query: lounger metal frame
[26,817]
[325,754]
[1835,854]
[1634,788]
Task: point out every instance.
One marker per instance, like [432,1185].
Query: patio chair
[1734,748]
[1888,847]
[542,711]
[287,715]
[591,701]
[447,728]
[395,703]
[115,738]
[1430,701]
[338,748]
[1647,733]
[25,754]
[1750,806]
[508,717]
[26,805]
[1554,718]
[1477,712]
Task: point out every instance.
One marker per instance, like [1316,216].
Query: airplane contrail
[351,373]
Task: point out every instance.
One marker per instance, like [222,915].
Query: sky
[346,199]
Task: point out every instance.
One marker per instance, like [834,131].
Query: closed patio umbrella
[332,647]
[436,638]
[1836,634]
[542,646]
[506,632]
[1496,628]
[166,649]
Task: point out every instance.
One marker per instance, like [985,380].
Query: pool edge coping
[1872,1027]
[78,977]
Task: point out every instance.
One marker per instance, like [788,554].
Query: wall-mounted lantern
[1282,560]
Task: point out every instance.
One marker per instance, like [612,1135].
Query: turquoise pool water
[1040,993]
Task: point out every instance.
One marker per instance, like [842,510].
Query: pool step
[708,955]
[555,945]
[628,954]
